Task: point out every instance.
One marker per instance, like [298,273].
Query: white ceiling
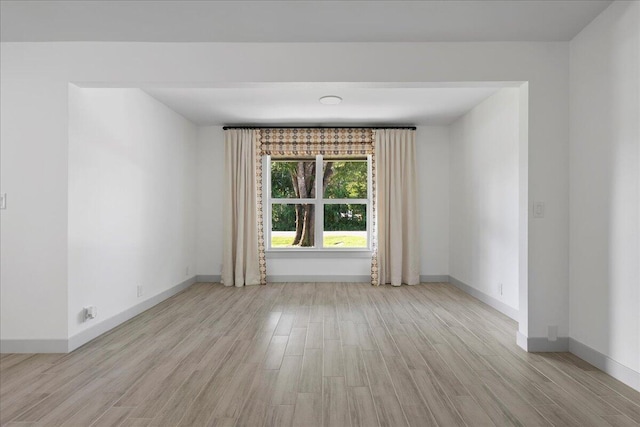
[299,105]
[296,21]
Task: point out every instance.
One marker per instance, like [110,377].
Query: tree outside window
[319,196]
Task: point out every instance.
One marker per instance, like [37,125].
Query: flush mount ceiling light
[330,100]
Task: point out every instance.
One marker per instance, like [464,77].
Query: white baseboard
[95,331]
[319,278]
[606,364]
[542,344]
[521,341]
[81,338]
[487,299]
[344,278]
[434,278]
[208,278]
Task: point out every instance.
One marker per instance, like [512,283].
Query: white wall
[210,188]
[433,176]
[33,173]
[484,207]
[34,117]
[605,185]
[132,200]
[433,188]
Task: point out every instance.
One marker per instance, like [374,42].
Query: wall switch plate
[140,290]
[538,209]
[3,201]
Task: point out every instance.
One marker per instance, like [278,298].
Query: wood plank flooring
[312,355]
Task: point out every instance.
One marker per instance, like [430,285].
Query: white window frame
[319,201]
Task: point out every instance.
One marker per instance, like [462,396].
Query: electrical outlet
[552,333]
[140,290]
[500,288]
[538,209]
[186,271]
[3,201]
[90,312]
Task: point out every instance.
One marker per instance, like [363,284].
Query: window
[316,203]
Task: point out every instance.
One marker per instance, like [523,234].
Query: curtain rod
[319,127]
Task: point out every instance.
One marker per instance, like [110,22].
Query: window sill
[317,253]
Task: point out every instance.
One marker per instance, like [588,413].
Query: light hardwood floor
[311,355]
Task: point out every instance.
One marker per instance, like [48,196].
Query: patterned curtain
[310,142]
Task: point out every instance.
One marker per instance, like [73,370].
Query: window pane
[345,179]
[293,179]
[292,225]
[345,226]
